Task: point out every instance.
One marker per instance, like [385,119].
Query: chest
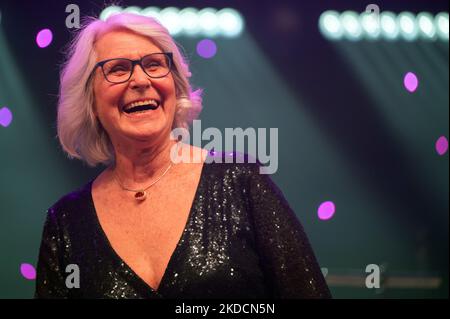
[145,234]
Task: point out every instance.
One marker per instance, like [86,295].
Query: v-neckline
[174,254]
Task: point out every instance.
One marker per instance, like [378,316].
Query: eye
[117,67]
[152,64]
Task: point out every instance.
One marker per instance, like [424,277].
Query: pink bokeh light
[206,48]
[28,271]
[44,38]
[411,82]
[326,210]
[441,145]
[5,116]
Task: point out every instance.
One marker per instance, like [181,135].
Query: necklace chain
[142,190]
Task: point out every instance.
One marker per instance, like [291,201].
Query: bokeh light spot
[326,210]
[5,116]
[206,48]
[442,145]
[44,38]
[411,82]
[28,271]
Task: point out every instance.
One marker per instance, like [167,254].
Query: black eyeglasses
[119,70]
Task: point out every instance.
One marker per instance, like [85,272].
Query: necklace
[141,194]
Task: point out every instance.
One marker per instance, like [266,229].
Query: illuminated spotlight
[152,12]
[427,29]
[5,116]
[170,19]
[109,11]
[330,25]
[209,22]
[28,271]
[231,22]
[370,24]
[189,21]
[389,26]
[326,210]
[441,145]
[206,48]
[411,82]
[408,26]
[441,21]
[44,38]
[132,9]
[350,23]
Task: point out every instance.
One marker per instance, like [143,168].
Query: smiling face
[112,99]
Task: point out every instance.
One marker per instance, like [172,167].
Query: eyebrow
[124,57]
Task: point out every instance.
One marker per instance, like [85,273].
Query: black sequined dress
[241,240]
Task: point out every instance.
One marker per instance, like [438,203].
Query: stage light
[330,25]
[389,27]
[208,21]
[351,25]
[231,23]
[109,11]
[170,19]
[408,26]
[427,29]
[189,21]
[370,24]
[441,21]
[132,9]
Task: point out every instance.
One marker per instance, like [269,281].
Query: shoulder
[71,203]
[234,163]
[234,168]
[244,170]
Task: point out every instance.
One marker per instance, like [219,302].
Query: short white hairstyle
[79,131]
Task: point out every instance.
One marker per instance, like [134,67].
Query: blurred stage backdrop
[360,102]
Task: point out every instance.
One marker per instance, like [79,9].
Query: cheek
[167,88]
[106,97]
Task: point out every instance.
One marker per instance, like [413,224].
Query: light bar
[189,22]
[353,26]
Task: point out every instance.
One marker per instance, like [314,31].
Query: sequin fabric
[241,240]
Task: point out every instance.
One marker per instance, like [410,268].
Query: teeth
[138,103]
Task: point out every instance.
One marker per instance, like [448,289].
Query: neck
[135,167]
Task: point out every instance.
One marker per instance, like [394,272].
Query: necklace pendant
[141,195]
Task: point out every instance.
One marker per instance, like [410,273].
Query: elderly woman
[148,227]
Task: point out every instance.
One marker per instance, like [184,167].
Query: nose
[139,79]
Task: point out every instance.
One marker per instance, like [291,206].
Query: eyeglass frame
[169,55]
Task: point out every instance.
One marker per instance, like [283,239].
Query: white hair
[79,131]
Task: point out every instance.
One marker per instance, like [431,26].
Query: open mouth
[141,106]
